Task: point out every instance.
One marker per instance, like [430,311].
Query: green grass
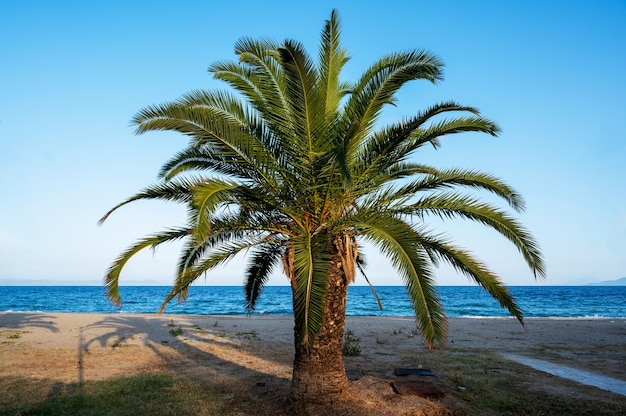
[484,384]
[176,332]
[351,344]
[156,394]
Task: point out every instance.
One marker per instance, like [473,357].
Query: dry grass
[476,383]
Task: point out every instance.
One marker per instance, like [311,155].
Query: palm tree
[297,170]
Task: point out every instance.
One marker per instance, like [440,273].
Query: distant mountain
[618,282]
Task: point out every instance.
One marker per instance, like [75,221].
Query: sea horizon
[588,281]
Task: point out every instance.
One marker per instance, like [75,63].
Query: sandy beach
[77,348]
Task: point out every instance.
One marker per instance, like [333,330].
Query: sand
[69,347]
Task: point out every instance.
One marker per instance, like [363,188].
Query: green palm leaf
[260,266]
[383,79]
[452,205]
[332,59]
[465,263]
[310,267]
[193,270]
[177,191]
[440,180]
[111,279]
[206,198]
[397,240]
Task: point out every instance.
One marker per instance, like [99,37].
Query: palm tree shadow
[213,354]
[24,320]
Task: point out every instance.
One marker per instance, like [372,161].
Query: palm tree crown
[297,169]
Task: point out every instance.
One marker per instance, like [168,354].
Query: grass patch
[176,332]
[247,335]
[483,384]
[146,394]
[351,346]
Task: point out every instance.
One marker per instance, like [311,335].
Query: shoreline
[488,331]
[272,315]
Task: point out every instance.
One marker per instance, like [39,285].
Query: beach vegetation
[176,331]
[351,344]
[247,335]
[158,393]
[298,169]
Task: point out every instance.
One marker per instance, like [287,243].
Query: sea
[459,301]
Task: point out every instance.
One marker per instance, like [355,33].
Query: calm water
[459,301]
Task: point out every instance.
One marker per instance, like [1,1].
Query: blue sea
[459,301]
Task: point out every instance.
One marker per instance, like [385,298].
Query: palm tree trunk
[318,371]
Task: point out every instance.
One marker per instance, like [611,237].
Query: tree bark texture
[318,371]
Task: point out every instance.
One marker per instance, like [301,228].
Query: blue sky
[72,74]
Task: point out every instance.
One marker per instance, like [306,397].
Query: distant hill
[618,282]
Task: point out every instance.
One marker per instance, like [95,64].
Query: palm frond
[202,264]
[230,106]
[304,102]
[388,138]
[206,198]
[259,76]
[436,130]
[262,262]
[360,263]
[432,180]
[394,143]
[201,159]
[397,240]
[178,191]
[472,179]
[111,279]
[242,78]
[453,205]
[377,87]
[464,262]
[310,267]
[205,126]
[332,58]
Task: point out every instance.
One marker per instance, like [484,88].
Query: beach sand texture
[75,348]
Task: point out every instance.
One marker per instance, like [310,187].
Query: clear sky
[72,74]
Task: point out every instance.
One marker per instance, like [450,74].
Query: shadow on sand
[22,320]
[239,364]
[180,342]
[234,364]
